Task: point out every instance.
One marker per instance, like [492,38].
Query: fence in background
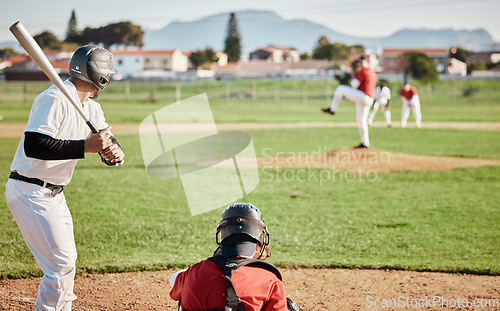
[269,91]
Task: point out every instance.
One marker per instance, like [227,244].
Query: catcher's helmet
[243,218]
[93,64]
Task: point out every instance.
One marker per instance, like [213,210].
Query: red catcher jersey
[367,81]
[203,287]
[409,94]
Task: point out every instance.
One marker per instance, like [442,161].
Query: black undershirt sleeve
[44,147]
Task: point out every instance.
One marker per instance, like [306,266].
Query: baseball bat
[33,49]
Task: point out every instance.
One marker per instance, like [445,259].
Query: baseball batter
[361,92]
[54,139]
[411,101]
[382,97]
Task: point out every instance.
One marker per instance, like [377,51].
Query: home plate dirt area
[312,289]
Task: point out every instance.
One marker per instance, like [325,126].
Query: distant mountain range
[261,28]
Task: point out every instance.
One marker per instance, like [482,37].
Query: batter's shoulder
[49,99]
[94,107]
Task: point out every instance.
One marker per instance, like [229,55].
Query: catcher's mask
[244,219]
[93,64]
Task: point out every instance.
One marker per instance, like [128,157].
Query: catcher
[236,278]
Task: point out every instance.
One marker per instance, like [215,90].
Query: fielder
[361,93]
[409,95]
[54,139]
[382,97]
[236,277]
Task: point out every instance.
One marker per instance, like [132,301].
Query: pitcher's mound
[370,159]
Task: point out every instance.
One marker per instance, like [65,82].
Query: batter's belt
[56,189]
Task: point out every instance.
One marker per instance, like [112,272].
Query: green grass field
[448,221]
[299,101]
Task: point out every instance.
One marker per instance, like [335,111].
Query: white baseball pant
[387,112]
[363,103]
[414,105]
[47,227]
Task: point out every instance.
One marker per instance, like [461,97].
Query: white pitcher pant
[363,103]
[414,105]
[47,228]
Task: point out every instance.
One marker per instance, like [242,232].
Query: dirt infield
[312,289]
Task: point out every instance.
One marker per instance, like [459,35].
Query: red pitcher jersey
[203,287]
[367,81]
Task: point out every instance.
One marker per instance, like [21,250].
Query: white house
[128,62]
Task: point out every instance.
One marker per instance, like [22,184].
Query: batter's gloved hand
[112,154]
[96,142]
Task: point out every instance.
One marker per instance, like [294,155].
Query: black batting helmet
[243,218]
[93,64]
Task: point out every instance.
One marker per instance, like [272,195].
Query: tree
[197,59]
[72,34]
[341,51]
[124,33]
[333,51]
[477,65]
[46,40]
[233,40]
[8,52]
[89,35]
[204,58]
[323,49]
[323,40]
[358,48]
[210,56]
[306,55]
[419,66]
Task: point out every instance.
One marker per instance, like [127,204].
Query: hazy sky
[366,18]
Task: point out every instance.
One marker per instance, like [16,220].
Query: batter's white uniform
[382,97]
[45,222]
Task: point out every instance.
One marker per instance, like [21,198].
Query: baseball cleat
[361,146]
[327,110]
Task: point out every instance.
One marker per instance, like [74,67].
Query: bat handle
[92,127]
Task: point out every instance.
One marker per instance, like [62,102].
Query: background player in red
[241,233]
[362,93]
[410,98]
